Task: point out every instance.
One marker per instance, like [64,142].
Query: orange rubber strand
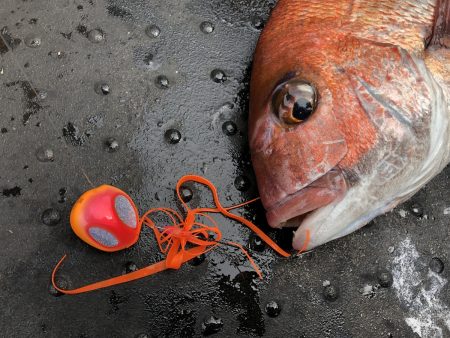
[172,241]
[225,212]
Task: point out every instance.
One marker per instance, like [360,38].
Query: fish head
[339,129]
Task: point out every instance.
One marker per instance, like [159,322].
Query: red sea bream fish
[349,110]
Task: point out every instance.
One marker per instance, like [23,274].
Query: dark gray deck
[49,71]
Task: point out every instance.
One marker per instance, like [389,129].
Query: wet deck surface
[89,91]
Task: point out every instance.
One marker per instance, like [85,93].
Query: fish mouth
[294,208]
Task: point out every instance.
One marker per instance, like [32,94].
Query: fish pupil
[294,101]
[302,109]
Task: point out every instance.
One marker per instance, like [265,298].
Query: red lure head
[106,218]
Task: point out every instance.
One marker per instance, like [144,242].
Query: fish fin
[440,35]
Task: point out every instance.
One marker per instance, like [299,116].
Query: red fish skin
[313,38]
[312,62]
[347,50]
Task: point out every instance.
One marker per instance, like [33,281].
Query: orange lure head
[106,218]
[339,116]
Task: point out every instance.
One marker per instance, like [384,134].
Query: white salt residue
[402,213]
[406,278]
[427,314]
[367,291]
[224,113]
[432,311]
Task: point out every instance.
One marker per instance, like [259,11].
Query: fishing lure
[107,219]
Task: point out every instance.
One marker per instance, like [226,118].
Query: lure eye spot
[294,101]
[103,237]
[125,211]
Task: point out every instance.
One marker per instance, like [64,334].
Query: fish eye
[294,101]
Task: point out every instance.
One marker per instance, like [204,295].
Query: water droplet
[212,325]
[42,94]
[331,293]
[258,23]
[242,183]
[207,27]
[273,309]
[57,55]
[153,31]
[197,260]
[436,265]
[256,243]
[162,82]
[112,145]
[102,88]
[148,59]
[186,194]
[50,217]
[417,210]
[142,335]
[96,36]
[172,136]
[218,76]
[62,195]
[385,278]
[130,267]
[45,155]
[229,128]
[33,41]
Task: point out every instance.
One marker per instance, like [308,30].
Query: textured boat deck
[88,92]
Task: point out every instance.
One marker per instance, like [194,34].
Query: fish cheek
[397,102]
[292,158]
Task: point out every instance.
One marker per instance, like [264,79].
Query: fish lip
[325,190]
